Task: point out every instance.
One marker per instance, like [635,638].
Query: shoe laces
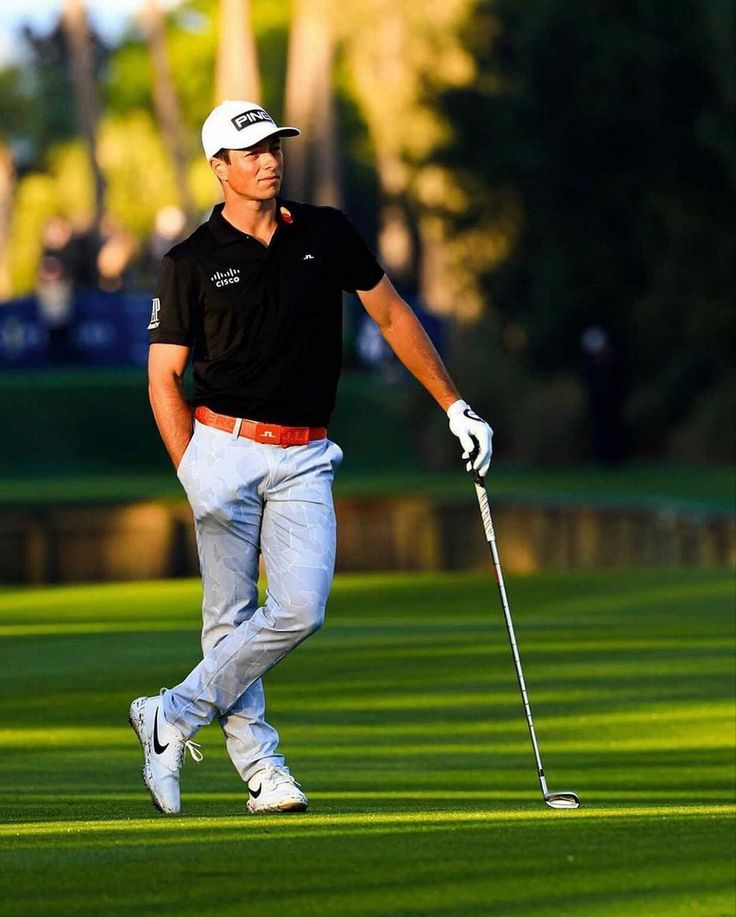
[194,750]
[187,745]
[281,775]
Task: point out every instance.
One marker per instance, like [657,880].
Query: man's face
[255,173]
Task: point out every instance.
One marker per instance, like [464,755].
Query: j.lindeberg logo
[223,278]
[253,116]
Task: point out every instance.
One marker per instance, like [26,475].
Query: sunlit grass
[402,718]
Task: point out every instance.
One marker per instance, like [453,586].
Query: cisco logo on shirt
[223,278]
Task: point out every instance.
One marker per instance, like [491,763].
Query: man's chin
[269,193]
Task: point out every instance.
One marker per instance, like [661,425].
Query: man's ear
[219,167]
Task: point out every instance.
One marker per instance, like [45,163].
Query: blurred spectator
[604,395]
[117,249]
[372,349]
[55,286]
[169,228]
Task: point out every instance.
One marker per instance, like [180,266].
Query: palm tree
[79,40]
[401,58]
[314,163]
[166,100]
[237,72]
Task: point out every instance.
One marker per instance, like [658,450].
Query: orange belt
[272,434]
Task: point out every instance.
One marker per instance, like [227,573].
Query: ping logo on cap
[252,116]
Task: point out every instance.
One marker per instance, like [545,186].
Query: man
[254,296]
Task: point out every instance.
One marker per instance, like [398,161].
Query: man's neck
[255,218]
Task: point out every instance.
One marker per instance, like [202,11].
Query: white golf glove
[472,431]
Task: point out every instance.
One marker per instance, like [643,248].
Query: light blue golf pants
[249,499]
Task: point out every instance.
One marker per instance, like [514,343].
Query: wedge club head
[562,800]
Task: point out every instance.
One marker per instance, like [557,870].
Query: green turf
[97,421]
[100,445]
[402,720]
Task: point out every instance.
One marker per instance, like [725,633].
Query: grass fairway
[402,719]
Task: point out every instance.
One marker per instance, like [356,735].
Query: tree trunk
[7,183]
[313,168]
[166,101]
[385,72]
[76,29]
[237,74]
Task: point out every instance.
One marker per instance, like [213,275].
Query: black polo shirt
[264,322]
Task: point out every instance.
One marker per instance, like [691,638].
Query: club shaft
[485,512]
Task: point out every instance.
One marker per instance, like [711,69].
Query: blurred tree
[50,96]
[540,168]
[36,100]
[167,103]
[313,172]
[431,238]
[140,181]
[190,38]
[11,118]
[64,188]
[140,171]
[81,62]
[610,125]
[237,72]
[43,82]
[7,185]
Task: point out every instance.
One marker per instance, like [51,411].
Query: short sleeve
[173,306]
[359,269]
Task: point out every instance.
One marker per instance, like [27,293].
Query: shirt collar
[225,232]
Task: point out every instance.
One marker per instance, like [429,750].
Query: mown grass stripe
[403,721]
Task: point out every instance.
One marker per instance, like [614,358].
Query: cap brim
[232,140]
[278,132]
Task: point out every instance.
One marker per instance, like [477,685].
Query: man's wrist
[457,407]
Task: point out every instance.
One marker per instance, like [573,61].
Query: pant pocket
[189,454]
[334,454]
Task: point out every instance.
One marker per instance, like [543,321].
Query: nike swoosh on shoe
[157,746]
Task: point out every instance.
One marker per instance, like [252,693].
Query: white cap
[236,125]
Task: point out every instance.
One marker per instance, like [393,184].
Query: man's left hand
[474,434]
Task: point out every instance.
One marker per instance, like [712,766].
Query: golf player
[254,298]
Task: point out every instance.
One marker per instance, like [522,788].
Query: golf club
[564,800]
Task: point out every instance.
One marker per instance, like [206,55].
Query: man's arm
[167,364]
[409,341]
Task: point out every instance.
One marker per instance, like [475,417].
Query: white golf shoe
[273,789]
[163,752]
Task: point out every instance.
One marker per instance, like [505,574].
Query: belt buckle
[265,433]
[295,436]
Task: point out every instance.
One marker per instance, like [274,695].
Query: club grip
[477,477]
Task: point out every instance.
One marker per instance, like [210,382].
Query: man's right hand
[167,364]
